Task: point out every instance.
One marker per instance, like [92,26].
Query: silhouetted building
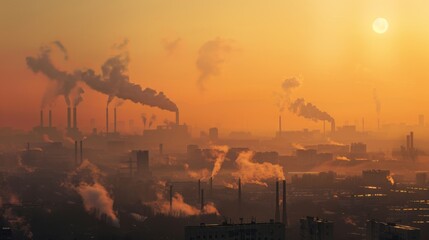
[421,178]
[213,134]
[228,231]
[313,228]
[390,231]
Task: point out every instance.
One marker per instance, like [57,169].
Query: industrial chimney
[74,118]
[202,200]
[41,118]
[199,189]
[277,213]
[107,121]
[333,125]
[68,118]
[177,118]
[280,125]
[239,196]
[75,153]
[411,140]
[114,120]
[284,213]
[171,199]
[81,151]
[50,118]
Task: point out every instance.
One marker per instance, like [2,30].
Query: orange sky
[329,44]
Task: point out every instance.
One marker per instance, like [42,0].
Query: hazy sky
[329,45]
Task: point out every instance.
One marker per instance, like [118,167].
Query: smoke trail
[86,181]
[283,98]
[202,174]
[170,46]
[121,45]
[257,173]
[152,120]
[78,96]
[113,81]
[219,152]
[179,207]
[308,110]
[377,102]
[210,57]
[63,82]
[144,119]
[61,48]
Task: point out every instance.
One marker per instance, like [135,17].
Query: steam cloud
[308,110]
[257,173]
[210,57]
[202,174]
[86,181]
[171,45]
[284,97]
[113,81]
[219,152]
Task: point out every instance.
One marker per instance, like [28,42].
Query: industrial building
[390,231]
[313,228]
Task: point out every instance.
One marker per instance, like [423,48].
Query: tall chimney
[50,118]
[171,199]
[333,125]
[161,150]
[412,140]
[75,153]
[211,186]
[239,196]
[74,118]
[408,142]
[114,120]
[68,118]
[277,213]
[41,118]
[177,117]
[107,120]
[284,213]
[202,200]
[81,151]
[280,125]
[199,189]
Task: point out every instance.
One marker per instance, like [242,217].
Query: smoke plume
[144,119]
[61,47]
[170,46]
[304,109]
[256,173]
[211,55]
[283,98]
[152,120]
[202,174]
[86,181]
[219,152]
[78,96]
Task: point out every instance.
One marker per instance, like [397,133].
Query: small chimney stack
[161,150]
[239,196]
[68,118]
[177,118]
[284,215]
[50,118]
[280,125]
[74,118]
[202,200]
[75,153]
[107,121]
[412,140]
[277,213]
[41,118]
[199,189]
[114,120]
[81,151]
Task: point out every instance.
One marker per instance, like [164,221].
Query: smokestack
[177,117]
[41,118]
[277,213]
[284,213]
[408,142]
[280,125]
[107,120]
[411,140]
[199,189]
[202,200]
[50,118]
[81,151]
[68,118]
[114,120]
[211,186]
[75,153]
[171,199]
[239,196]
[74,118]
[333,125]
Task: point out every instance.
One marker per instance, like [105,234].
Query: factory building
[390,231]
[231,231]
[313,228]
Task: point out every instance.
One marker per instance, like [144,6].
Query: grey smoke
[113,81]
[144,119]
[284,98]
[61,48]
[121,45]
[211,55]
[308,110]
[377,102]
[152,120]
[78,96]
[171,45]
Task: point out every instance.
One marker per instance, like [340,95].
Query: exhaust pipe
[41,118]
[284,217]
[68,118]
[74,118]
[277,213]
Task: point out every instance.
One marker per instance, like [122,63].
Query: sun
[380,25]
